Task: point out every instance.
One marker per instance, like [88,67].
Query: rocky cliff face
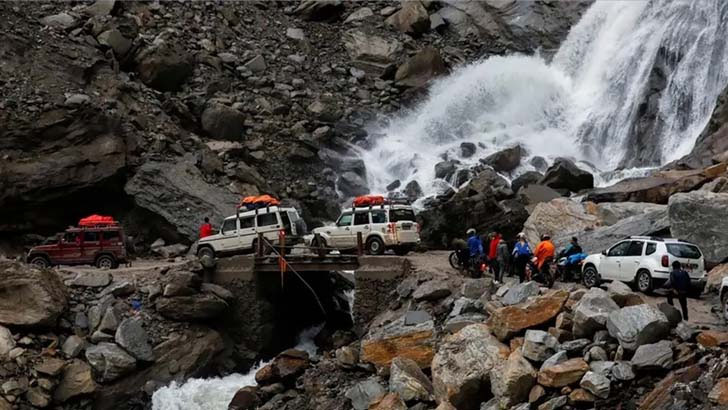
[136,109]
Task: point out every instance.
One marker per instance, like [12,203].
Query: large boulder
[597,384]
[178,194]
[133,338]
[191,308]
[610,213]
[637,325]
[657,188]
[109,361]
[715,277]
[699,217]
[416,342]
[564,174]
[30,296]
[539,345]
[412,18]
[509,321]
[351,184]
[7,343]
[419,69]
[364,393]
[520,293]
[164,65]
[511,382]
[284,368]
[462,366]
[559,217]
[369,52]
[653,356]
[76,380]
[408,381]
[222,122]
[591,312]
[563,374]
[505,160]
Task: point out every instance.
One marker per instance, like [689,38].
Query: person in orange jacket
[545,250]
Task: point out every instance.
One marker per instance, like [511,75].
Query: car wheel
[644,281]
[375,246]
[590,277]
[205,251]
[40,262]
[105,262]
[318,243]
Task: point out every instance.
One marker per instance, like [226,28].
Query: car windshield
[396,215]
[682,250]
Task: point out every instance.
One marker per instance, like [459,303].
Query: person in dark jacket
[679,283]
[522,254]
[503,257]
[572,248]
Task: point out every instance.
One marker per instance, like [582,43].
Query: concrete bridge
[271,307]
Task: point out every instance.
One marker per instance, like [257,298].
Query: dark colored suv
[102,246]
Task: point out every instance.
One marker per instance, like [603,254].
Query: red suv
[102,246]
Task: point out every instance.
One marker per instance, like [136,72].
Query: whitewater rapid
[584,103]
[215,393]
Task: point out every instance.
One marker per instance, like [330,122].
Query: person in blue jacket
[475,245]
[521,254]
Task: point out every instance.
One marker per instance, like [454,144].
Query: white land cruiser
[239,233]
[386,226]
[724,297]
[645,261]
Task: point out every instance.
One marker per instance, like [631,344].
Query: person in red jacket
[206,228]
[493,255]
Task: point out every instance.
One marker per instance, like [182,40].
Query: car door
[631,261]
[70,248]
[246,232]
[267,224]
[361,224]
[90,246]
[610,268]
[229,231]
[340,235]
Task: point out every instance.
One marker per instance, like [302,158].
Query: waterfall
[632,86]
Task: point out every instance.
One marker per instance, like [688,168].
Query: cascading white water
[215,393]
[583,104]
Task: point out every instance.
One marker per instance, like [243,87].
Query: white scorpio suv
[644,261]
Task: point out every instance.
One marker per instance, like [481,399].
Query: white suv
[724,297]
[239,233]
[644,261]
[387,226]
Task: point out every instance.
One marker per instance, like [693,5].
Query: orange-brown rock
[509,321]
[391,401]
[580,396]
[381,346]
[563,374]
[560,334]
[516,343]
[712,338]
[266,375]
[719,394]
[660,397]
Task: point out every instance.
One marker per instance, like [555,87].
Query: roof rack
[652,238]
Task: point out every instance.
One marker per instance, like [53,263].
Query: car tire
[105,262]
[315,243]
[643,281]
[590,277]
[40,262]
[375,246]
[205,251]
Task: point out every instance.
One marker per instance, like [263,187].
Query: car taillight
[665,261]
[419,228]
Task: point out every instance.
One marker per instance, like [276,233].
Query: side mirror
[604,252]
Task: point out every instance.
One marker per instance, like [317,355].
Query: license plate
[406,226]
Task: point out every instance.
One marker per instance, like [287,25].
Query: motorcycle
[569,267]
[546,276]
[460,259]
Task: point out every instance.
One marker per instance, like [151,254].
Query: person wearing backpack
[678,284]
[521,253]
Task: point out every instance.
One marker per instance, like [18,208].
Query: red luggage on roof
[96,220]
[368,200]
[260,201]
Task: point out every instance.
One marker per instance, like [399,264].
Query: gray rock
[505,160]
[315,10]
[217,290]
[408,381]
[575,347]
[591,312]
[619,292]
[454,324]
[228,58]
[364,393]
[109,361]
[467,149]
[116,41]
[415,317]
[101,8]
[623,371]
[512,381]
[412,18]
[359,14]
[371,53]
[164,66]
[564,174]
[431,290]
[555,403]
[73,346]
[257,64]
[612,212]
[539,345]
[171,251]
[81,321]
[475,288]
[92,279]
[539,163]
[520,293]
[60,20]
[597,353]
[464,306]
[685,331]
[699,217]
[671,313]
[191,308]
[99,336]
[526,179]
[133,338]
[413,190]
[75,100]
[122,288]
[557,358]
[603,367]
[634,326]
[596,384]
[7,343]
[110,321]
[222,122]
[295,34]
[420,69]
[653,356]
[352,184]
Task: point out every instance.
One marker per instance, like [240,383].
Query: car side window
[90,236]
[635,248]
[651,248]
[228,226]
[361,218]
[619,249]
[110,236]
[344,220]
[267,219]
[379,217]
[70,237]
[246,223]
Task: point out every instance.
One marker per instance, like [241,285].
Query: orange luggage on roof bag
[96,220]
[260,201]
[367,200]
